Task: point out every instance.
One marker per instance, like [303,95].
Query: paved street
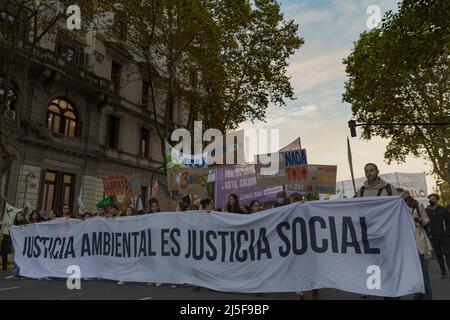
[109,290]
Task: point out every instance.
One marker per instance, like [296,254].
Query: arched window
[62,118]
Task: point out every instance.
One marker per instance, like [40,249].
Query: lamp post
[352,125]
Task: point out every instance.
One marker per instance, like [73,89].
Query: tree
[400,73]
[226,59]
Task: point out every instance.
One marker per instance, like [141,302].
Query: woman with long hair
[35,217]
[233,205]
[129,211]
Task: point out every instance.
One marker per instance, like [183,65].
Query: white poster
[415,183]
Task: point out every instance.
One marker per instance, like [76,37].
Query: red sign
[115,185]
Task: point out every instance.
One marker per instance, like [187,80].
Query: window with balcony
[72,55]
[62,118]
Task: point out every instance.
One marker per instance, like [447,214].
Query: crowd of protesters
[432,223]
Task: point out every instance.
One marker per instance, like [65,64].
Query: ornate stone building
[85,117]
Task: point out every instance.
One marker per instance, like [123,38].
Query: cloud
[323,69]
[278,118]
[312,17]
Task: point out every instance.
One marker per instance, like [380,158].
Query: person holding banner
[256,206]
[181,206]
[66,212]
[282,199]
[296,197]
[101,211]
[112,212]
[35,217]
[375,186]
[129,211]
[18,221]
[207,204]
[424,247]
[153,206]
[50,215]
[293,198]
[87,215]
[233,205]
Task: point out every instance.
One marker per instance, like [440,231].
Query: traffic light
[352,126]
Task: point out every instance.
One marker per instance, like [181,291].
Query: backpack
[388,188]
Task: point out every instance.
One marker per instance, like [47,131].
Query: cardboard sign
[301,178]
[115,185]
[188,180]
[135,184]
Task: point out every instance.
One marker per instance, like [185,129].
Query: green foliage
[400,73]
[229,57]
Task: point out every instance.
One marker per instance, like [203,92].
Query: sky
[318,116]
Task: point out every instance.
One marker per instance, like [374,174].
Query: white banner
[363,245]
[415,183]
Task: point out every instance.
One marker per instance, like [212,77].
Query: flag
[8,217]
[140,206]
[350,163]
[176,159]
[172,157]
[293,146]
[80,203]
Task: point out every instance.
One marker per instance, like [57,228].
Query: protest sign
[115,185]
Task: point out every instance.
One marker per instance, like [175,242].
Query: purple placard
[241,180]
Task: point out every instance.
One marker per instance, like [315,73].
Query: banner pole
[350,162]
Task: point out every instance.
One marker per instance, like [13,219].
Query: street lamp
[352,125]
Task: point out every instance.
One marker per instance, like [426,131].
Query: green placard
[105,202]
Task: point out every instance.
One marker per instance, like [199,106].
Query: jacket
[422,241]
[381,189]
[439,225]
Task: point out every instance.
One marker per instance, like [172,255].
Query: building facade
[86,116]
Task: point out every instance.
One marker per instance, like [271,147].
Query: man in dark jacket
[439,232]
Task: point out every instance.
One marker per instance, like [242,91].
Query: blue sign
[295,158]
